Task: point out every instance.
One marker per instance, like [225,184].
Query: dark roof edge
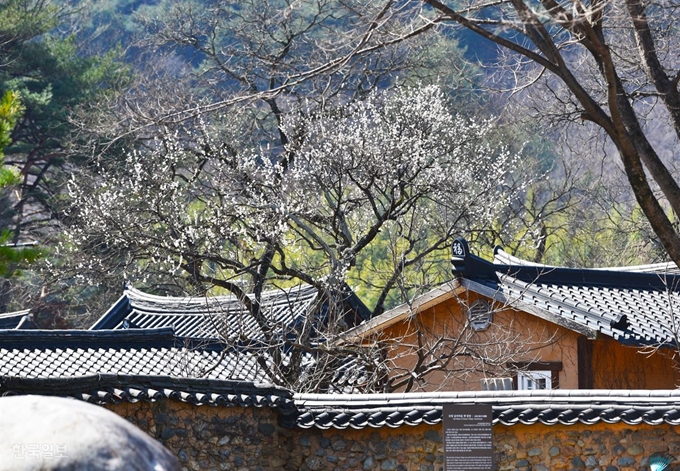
[160,337]
[467,265]
[27,323]
[113,389]
[79,384]
[32,338]
[14,320]
[133,296]
[591,277]
[17,314]
[114,315]
[356,303]
[89,334]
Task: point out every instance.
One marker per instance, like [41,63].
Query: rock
[266,429]
[618,450]
[357,446]
[396,443]
[635,450]
[338,444]
[625,461]
[315,464]
[305,441]
[52,433]
[578,463]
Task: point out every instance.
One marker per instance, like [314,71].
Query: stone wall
[600,447]
[240,439]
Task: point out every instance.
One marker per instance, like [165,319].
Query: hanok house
[509,324]
[212,424]
[222,316]
[226,321]
[215,408]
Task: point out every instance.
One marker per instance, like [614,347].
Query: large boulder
[51,433]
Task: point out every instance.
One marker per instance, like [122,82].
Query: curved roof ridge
[660,268]
[137,294]
[207,316]
[21,313]
[16,320]
[501,257]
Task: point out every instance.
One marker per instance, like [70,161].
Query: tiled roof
[566,407]
[216,316]
[206,317]
[633,307]
[103,388]
[358,411]
[158,352]
[74,353]
[636,306]
[633,315]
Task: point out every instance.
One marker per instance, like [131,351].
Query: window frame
[552,368]
[526,378]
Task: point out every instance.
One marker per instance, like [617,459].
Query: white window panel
[533,380]
[497,384]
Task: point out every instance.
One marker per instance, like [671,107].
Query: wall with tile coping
[250,439]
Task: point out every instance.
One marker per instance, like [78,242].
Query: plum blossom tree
[605,64]
[398,173]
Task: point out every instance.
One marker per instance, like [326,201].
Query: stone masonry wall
[240,439]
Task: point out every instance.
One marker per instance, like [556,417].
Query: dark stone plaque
[468,441]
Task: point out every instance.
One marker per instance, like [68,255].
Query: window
[533,380]
[497,384]
[535,375]
[479,315]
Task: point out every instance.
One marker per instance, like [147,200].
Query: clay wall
[525,338]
